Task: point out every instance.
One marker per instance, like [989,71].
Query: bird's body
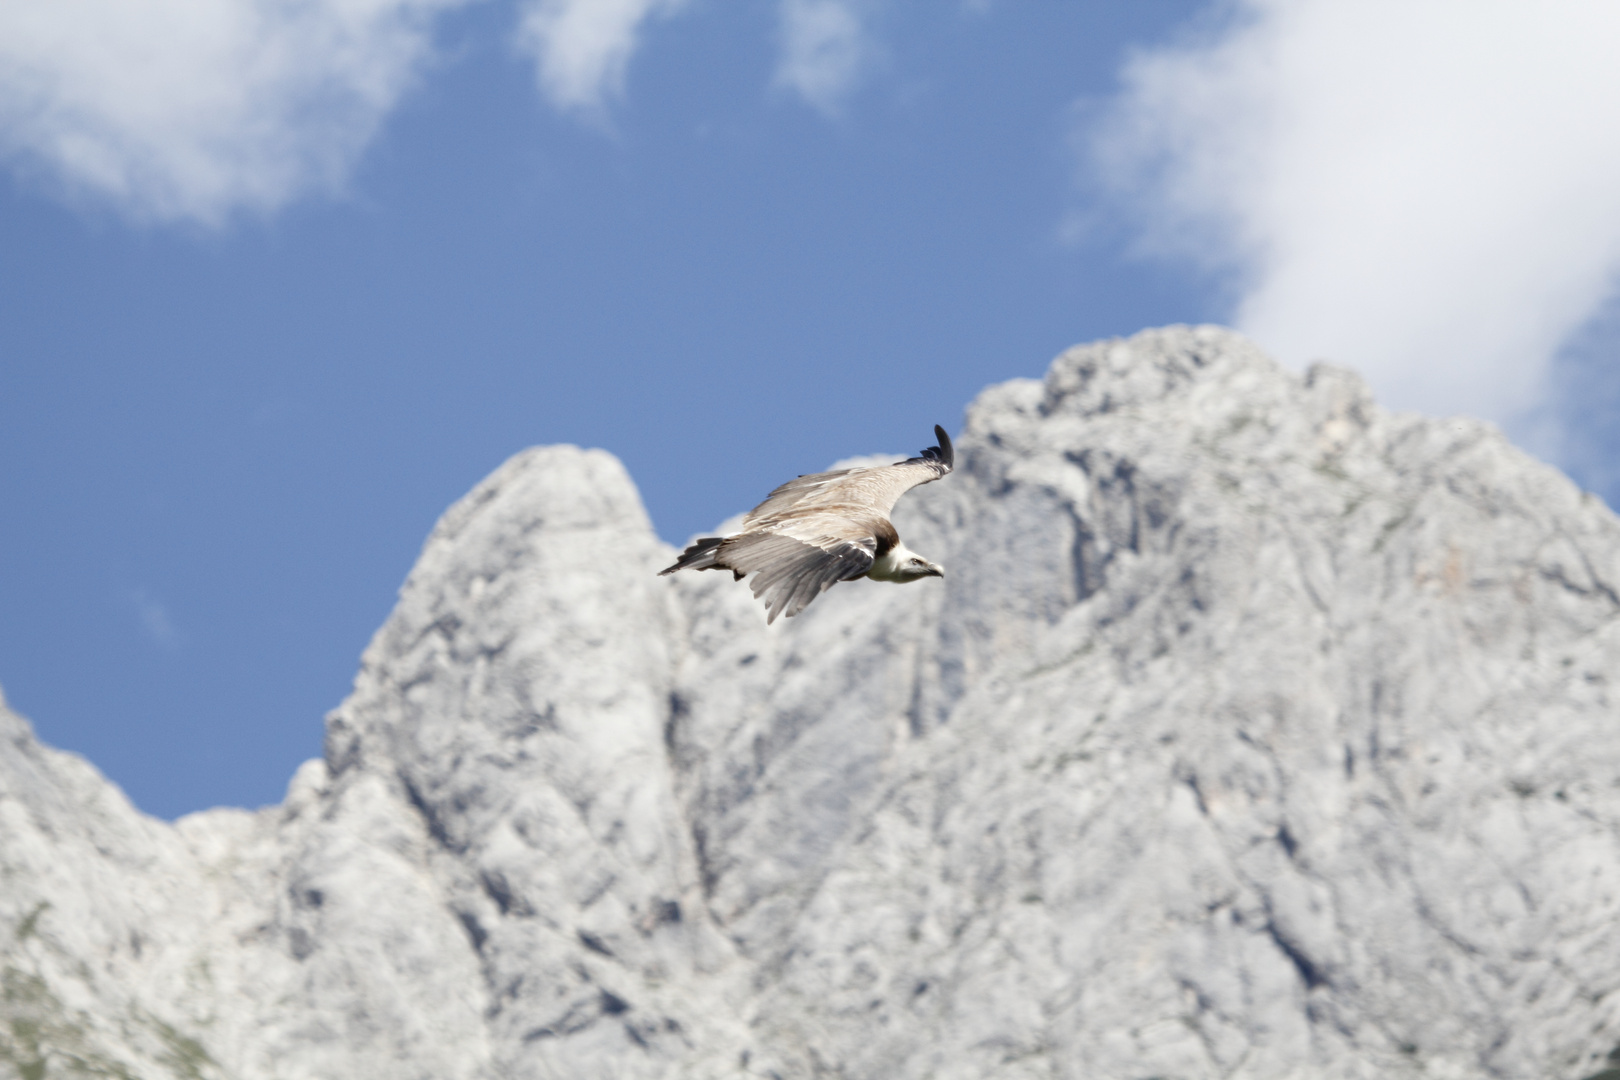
[815,531]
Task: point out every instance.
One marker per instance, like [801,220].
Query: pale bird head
[915,566]
[902,564]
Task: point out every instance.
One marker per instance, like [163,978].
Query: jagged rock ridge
[1256,733]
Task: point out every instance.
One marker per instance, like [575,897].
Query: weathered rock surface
[1256,733]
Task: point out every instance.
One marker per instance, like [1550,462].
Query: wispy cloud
[155,621]
[1429,191]
[582,48]
[195,109]
[826,48]
[198,110]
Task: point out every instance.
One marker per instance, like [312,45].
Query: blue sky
[278,284]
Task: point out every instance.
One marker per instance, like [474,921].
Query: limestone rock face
[1255,732]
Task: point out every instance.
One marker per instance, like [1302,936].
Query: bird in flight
[815,531]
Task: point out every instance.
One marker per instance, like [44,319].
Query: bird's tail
[699,555]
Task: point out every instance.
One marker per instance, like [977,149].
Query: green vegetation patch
[38,1039]
[30,922]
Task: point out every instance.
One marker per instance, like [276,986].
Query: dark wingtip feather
[944,452]
[699,555]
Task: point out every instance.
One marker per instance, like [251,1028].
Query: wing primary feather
[700,554]
[944,453]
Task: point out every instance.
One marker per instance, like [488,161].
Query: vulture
[815,531]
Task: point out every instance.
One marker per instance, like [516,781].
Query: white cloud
[155,620]
[825,48]
[1426,189]
[194,109]
[582,47]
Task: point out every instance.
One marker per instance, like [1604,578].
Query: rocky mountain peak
[1256,732]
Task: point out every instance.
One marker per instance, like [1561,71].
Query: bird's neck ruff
[901,564]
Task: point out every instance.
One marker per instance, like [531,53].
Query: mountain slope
[1255,732]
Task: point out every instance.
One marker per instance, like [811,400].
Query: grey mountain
[1256,733]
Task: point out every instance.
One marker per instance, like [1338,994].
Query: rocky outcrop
[1255,733]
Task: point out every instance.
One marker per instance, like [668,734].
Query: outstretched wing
[790,494]
[857,491]
[790,571]
[793,563]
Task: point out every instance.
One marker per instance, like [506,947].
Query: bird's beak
[936,570]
